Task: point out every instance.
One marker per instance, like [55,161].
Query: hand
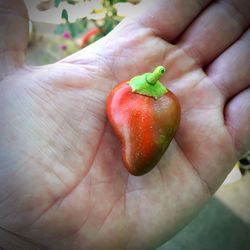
[62,181]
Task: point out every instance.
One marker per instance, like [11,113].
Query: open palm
[62,181]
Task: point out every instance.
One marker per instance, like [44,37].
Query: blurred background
[59,28]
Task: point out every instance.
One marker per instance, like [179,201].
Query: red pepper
[145,116]
[90,34]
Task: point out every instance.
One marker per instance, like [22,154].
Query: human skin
[62,181]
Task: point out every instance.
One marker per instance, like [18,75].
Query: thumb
[13,35]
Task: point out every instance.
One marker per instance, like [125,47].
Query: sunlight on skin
[63,183]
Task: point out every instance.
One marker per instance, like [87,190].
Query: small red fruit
[145,116]
[89,35]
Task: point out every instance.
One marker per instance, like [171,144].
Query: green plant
[80,26]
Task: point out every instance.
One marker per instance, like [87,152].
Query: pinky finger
[237,117]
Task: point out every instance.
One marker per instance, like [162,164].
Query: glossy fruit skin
[143,125]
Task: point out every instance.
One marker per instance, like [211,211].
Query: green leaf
[78,27]
[59,29]
[57,2]
[73,30]
[119,1]
[111,2]
[65,15]
[84,22]
[71,1]
[96,37]
[108,25]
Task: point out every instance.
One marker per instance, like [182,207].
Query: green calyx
[148,84]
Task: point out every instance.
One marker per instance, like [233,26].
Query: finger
[168,18]
[160,18]
[230,71]
[237,118]
[215,30]
[13,35]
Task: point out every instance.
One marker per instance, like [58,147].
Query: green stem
[155,76]
[148,84]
